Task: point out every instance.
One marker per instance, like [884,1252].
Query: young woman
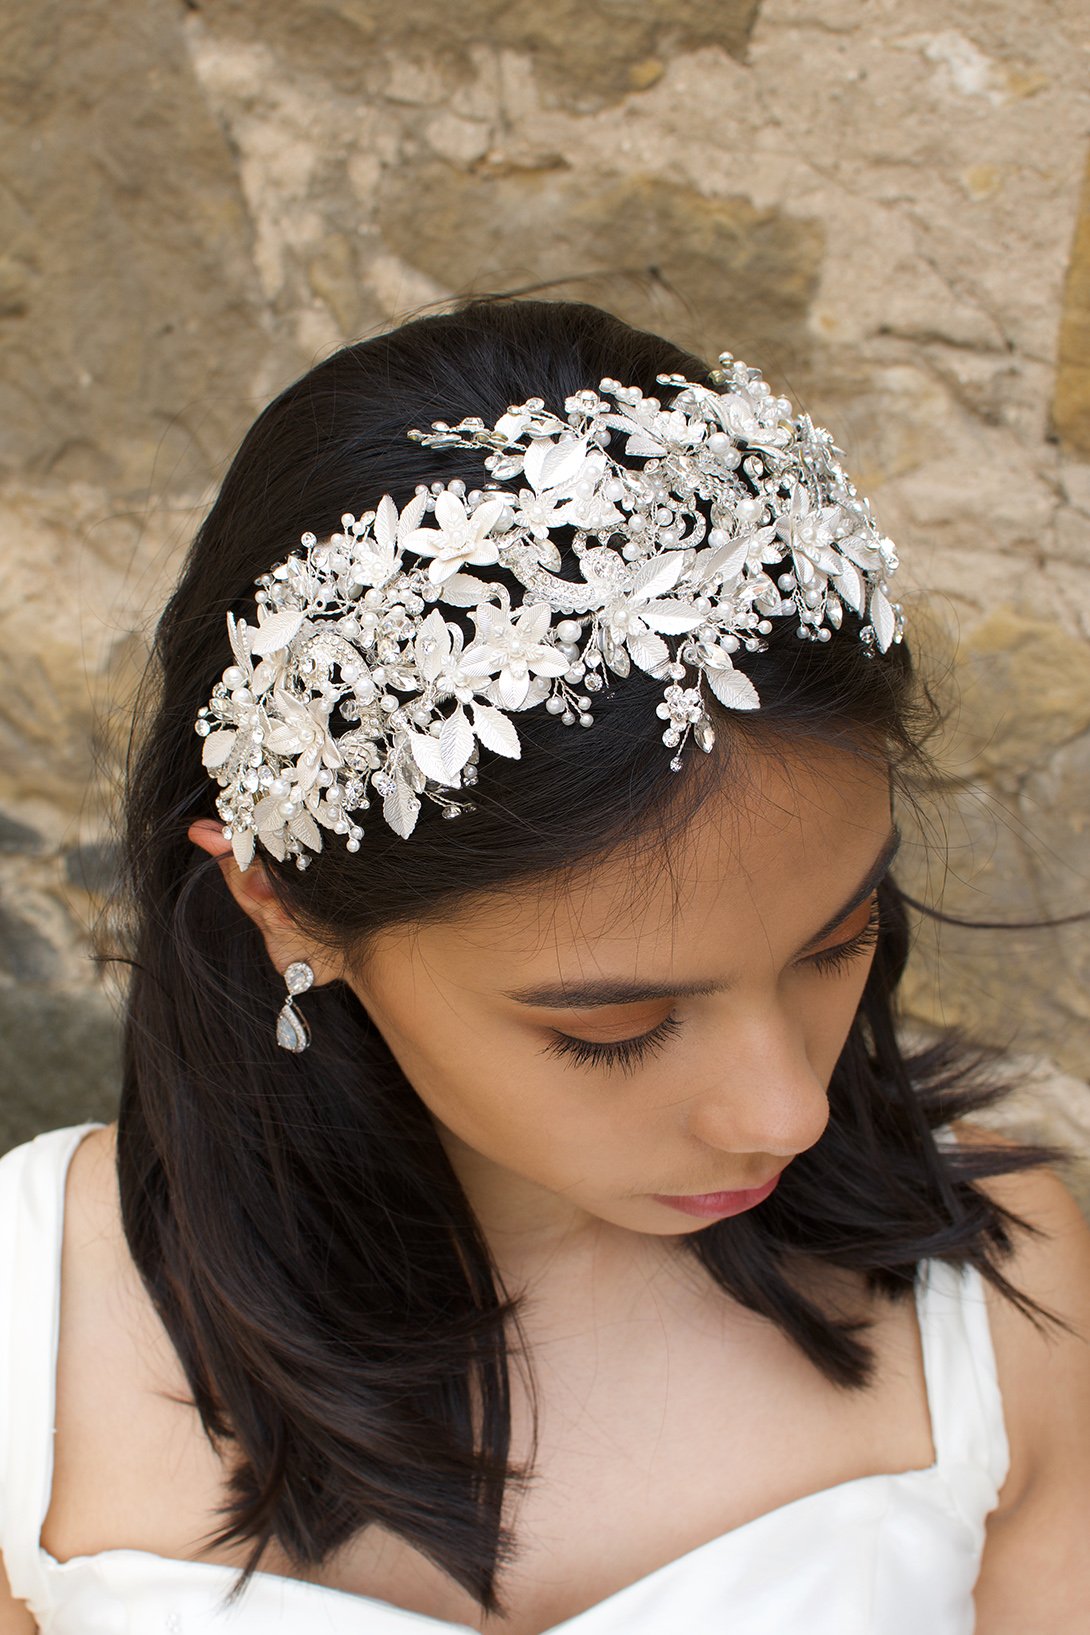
[529,1222]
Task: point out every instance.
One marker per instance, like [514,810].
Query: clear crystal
[299,977]
[292,1032]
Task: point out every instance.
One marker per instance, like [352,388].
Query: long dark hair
[332,1299]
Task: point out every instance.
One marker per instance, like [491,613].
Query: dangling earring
[292,1032]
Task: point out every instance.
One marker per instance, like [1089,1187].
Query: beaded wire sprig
[729,512]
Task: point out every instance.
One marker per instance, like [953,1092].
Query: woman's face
[669,1025]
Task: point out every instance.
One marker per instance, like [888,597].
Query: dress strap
[967,1424]
[32,1185]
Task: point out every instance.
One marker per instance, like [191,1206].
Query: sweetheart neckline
[222,1568]
[390,1607]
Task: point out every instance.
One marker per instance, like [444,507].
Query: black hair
[314,1259]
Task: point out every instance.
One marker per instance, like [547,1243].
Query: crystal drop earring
[292,1032]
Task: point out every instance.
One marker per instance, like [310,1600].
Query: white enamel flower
[810,533]
[461,538]
[298,729]
[752,417]
[439,650]
[540,513]
[511,650]
[660,431]
[635,615]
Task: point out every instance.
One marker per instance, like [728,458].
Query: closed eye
[836,958]
[627,1054]
[623,1053]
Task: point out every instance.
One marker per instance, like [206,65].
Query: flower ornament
[508,650]
[351,682]
[461,537]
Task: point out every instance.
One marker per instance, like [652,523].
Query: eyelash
[627,1054]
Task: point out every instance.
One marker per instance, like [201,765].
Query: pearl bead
[568,630]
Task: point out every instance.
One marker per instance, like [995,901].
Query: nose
[762,1095]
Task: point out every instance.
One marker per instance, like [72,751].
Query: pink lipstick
[715,1205]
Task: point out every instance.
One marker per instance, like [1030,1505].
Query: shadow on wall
[62,1063]
[59,1043]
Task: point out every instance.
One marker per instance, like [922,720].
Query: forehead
[776,846]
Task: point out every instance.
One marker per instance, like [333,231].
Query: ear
[284,942]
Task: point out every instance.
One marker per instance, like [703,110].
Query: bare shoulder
[1036,1536]
[103,1299]
[90,1197]
[118,1379]
[1051,1264]
[1051,1261]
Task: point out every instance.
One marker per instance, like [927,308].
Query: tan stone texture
[885,207]
[1071,404]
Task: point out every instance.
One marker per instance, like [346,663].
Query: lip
[717,1205]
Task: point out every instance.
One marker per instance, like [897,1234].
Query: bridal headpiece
[732,513]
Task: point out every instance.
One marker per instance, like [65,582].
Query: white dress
[894,1554]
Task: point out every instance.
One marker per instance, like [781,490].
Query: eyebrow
[602,991]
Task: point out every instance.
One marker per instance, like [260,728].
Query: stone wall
[884,207]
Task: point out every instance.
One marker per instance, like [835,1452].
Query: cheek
[493,1088]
